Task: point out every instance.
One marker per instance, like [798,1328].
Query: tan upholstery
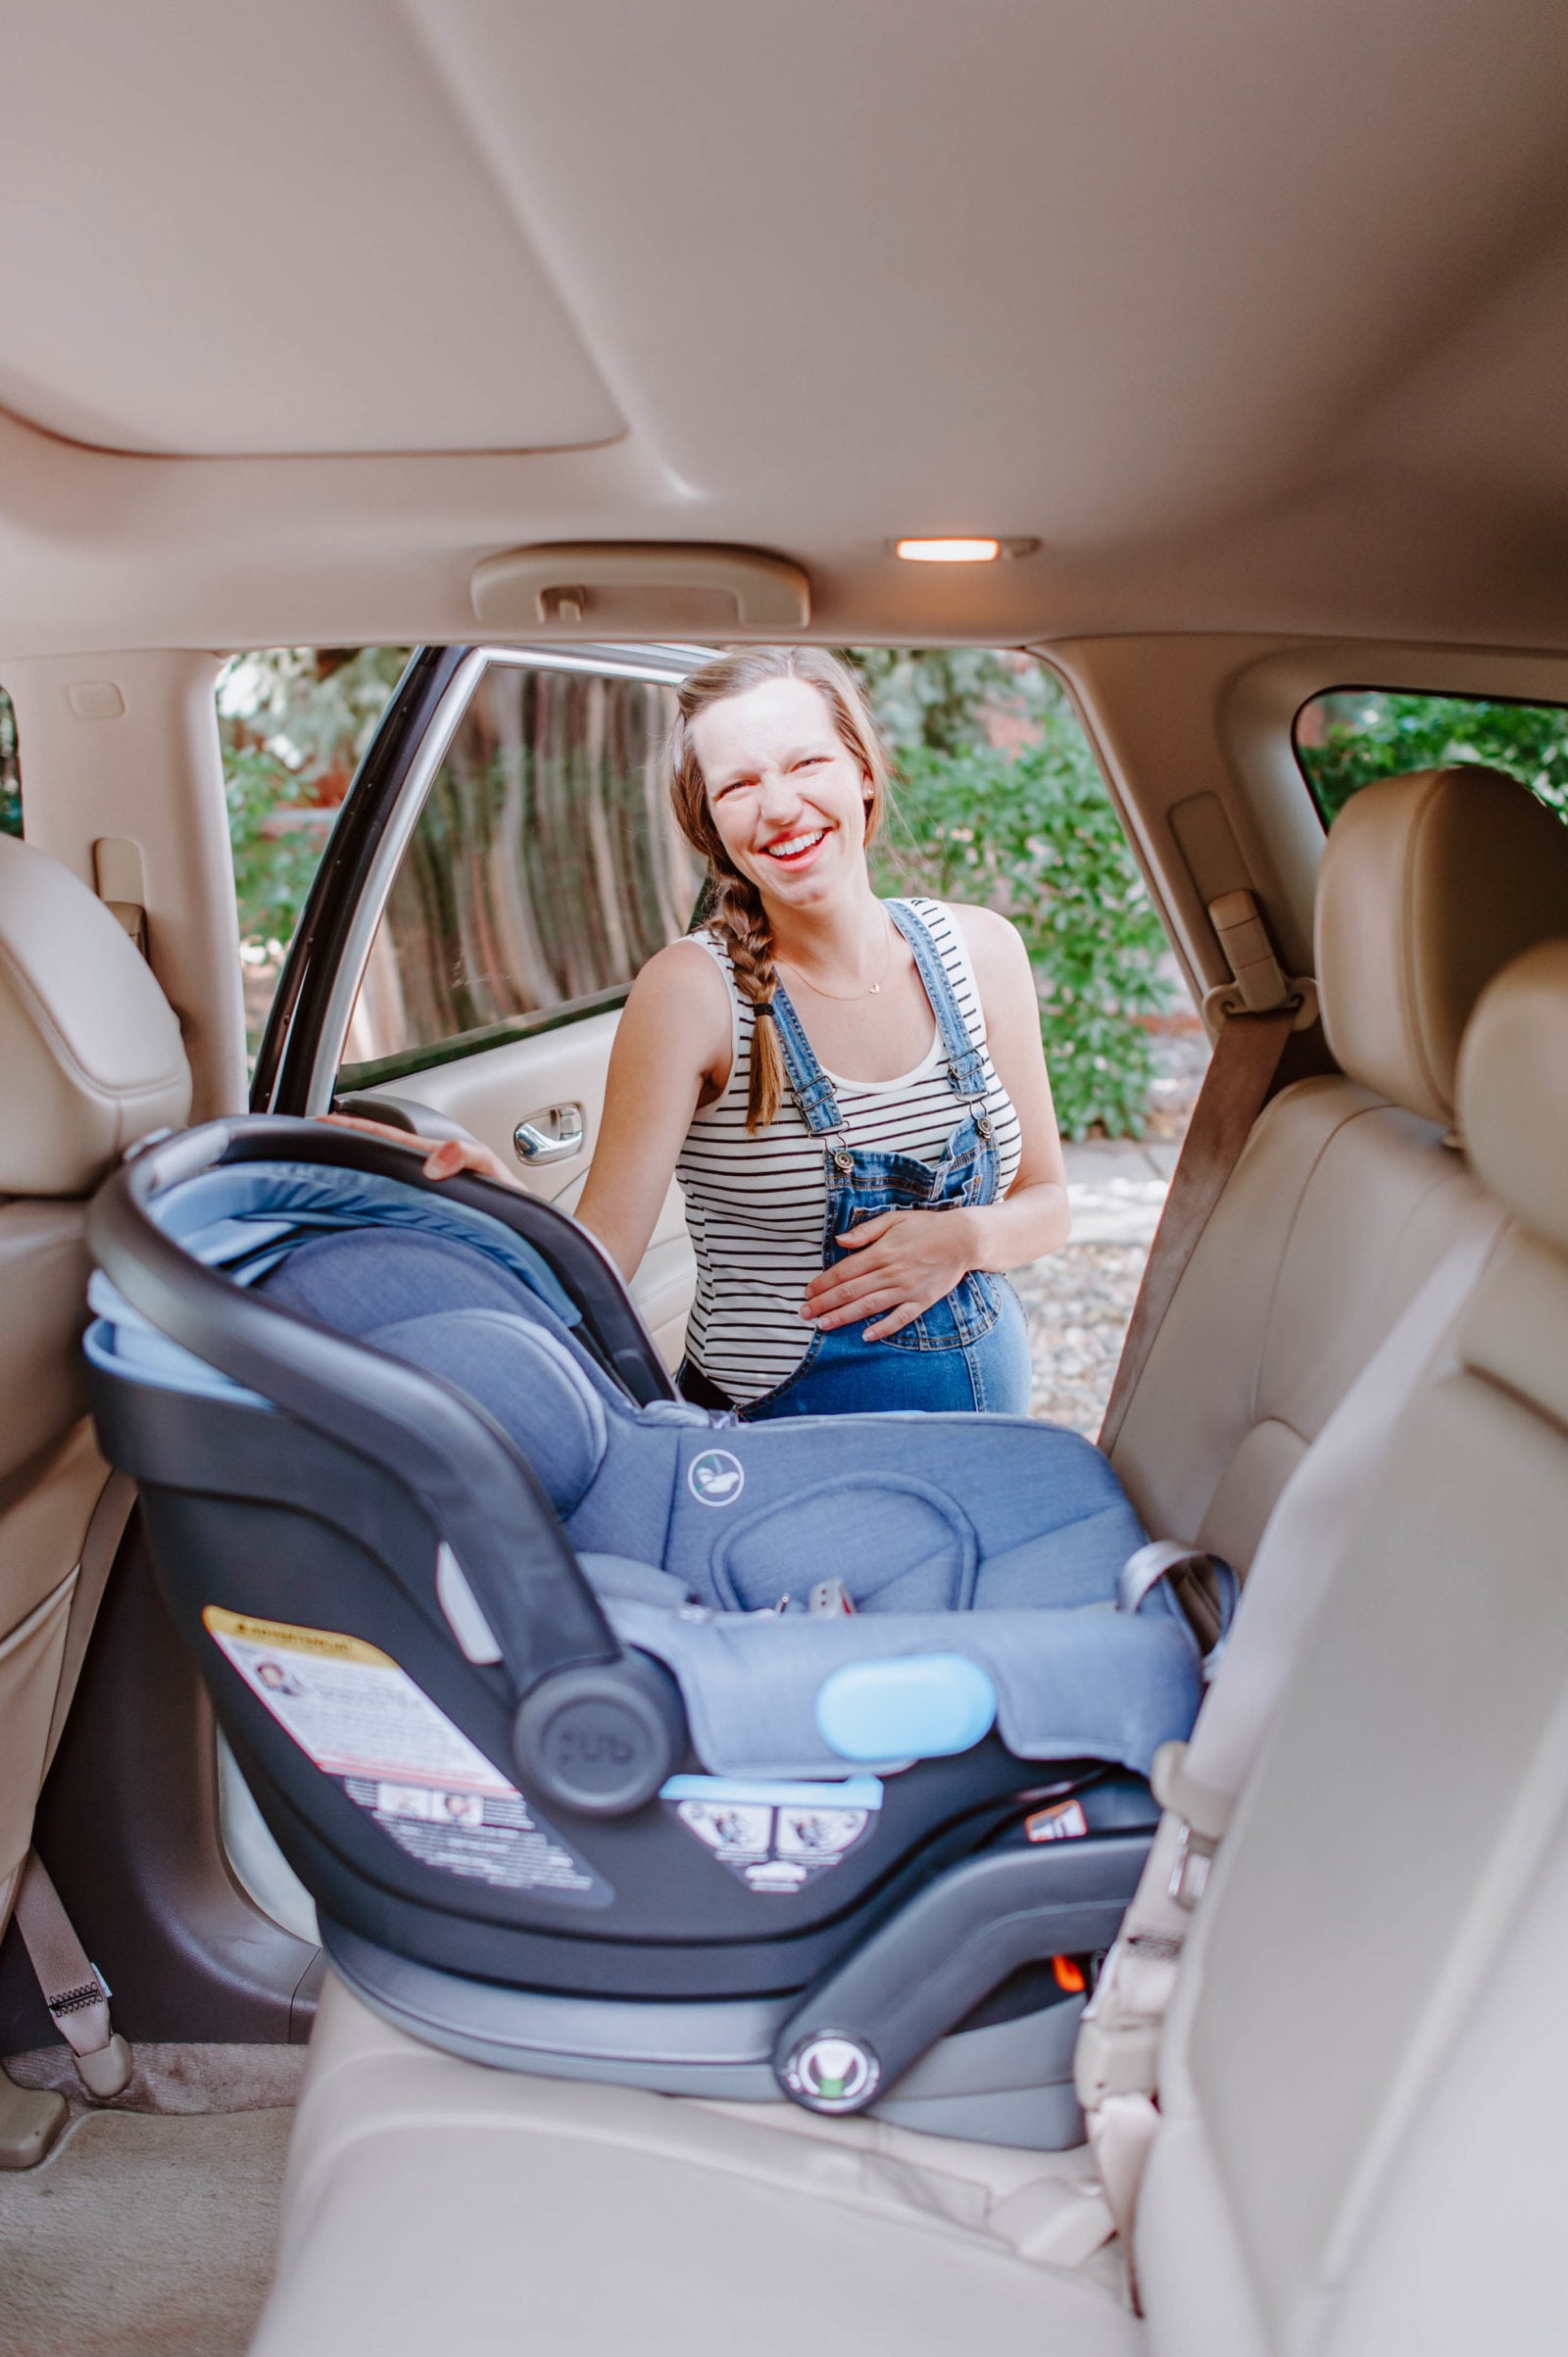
[1430,885]
[1364,2075]
[90,1058]
[1514,1080]
[89,1046]
[1343,1201]
[431,2202]
[1364,2072]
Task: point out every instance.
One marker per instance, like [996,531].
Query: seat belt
[106,1527]
[1260,1010]
[74,1989]
[1116,2064]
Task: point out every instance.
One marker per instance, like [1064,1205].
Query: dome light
[948,552]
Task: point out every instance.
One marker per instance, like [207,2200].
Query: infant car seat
[612,1736]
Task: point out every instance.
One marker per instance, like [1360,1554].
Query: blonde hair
[735,909]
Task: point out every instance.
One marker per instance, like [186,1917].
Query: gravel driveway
[1078,1301]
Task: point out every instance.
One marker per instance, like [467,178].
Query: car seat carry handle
[473,1488]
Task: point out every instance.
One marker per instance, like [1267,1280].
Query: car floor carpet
[143,2235]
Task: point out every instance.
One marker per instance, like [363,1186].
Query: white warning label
[362,1719]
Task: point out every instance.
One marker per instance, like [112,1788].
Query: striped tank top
[757,1207]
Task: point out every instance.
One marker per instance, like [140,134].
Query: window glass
[1345,739]
[10,771]
[544,870]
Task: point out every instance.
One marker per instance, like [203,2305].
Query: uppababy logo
[717,1479]
[829,2073]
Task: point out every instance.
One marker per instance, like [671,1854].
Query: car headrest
[89,1047]
[1431,883]
[1513,1090]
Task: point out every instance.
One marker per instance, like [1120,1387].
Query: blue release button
[917,1706]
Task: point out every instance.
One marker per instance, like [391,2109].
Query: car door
[505,862]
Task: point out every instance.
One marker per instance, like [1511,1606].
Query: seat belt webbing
[1116,2065]
[1243,1063]
[73,1988]
[106,1527]
[75,1995]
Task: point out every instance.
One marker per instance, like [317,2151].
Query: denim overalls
[967,1350]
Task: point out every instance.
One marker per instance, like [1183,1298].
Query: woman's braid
[736,912]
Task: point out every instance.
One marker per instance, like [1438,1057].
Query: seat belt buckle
[829,1600]
[1117,2052]
[1115,2058]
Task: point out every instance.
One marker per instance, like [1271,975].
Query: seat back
[92,1060]
[1364,2070]
[1353,1187]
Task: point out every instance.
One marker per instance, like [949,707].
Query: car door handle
[554,1135]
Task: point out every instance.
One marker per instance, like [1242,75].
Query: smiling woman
[852,1092]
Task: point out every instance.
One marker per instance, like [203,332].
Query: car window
[544,870]
[10,769]
[1348,737]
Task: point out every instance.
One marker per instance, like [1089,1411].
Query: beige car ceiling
[1254,315]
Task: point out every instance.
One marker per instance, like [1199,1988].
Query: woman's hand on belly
[901,1263]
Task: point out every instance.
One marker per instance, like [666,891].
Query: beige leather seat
[1351,1189]
[90,1059]
[1364,2070]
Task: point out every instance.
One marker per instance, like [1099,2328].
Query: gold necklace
[844,998]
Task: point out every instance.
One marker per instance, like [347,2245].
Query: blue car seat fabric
[981,1554]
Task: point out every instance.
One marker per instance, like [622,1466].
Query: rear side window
[1345,739]
[10,771]
[545,868]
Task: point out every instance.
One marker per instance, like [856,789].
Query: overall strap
[809,1084]
[965,1062]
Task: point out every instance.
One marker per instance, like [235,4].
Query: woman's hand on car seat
[904,1261]
[447,1156]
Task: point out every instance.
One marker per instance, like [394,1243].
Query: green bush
[273,860]
[1033,834]
[293,722]
[1367,734]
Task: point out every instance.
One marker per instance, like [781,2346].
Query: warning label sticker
[362,1719]
[776,1837]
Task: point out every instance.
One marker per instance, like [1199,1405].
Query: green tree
[1344,740]
[294,722]
[1029,830]
[949,699]
[276,858]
